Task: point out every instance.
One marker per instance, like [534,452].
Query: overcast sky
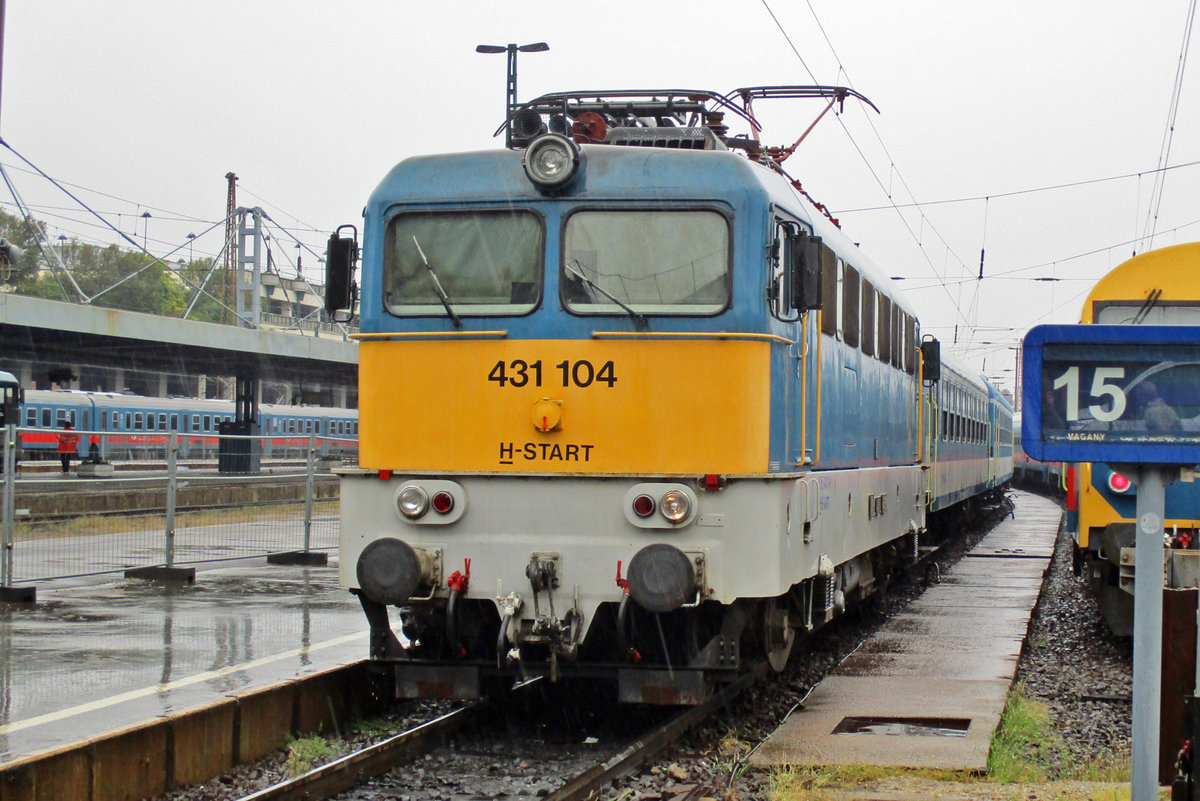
[145,105]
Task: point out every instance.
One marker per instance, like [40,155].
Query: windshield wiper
[640,319]
[1147,307]
[437,285]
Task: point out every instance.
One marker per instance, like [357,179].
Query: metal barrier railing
[165,512]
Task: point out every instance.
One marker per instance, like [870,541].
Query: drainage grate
[905,727]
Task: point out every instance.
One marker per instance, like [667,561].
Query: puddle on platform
[905,727]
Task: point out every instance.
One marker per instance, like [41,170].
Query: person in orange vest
[68,441]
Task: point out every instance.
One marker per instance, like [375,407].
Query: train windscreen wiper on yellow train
[1151,302]
[437,285]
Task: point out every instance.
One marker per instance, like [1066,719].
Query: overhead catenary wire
[160,213]
[870,168]
[39,235]
[943,283]
[153,259]
[103,217]
[98,221]
[1156,193]
[1027,191]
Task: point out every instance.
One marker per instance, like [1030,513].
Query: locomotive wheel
[778,635]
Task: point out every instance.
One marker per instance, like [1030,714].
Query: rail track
[352,770]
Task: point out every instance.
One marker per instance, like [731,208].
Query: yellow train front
[1155,288]
[604,430]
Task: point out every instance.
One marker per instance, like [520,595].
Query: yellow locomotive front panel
[601,406]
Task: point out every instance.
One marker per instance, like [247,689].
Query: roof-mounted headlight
[551,161]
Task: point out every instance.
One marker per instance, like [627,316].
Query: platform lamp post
[145,228]
[511,95]
[191,240]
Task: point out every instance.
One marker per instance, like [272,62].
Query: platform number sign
[1112,393]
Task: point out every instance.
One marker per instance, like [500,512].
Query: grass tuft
[1024,745]
[305,753]
[1027,749]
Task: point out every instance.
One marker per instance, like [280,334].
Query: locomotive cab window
[911,337]
[829,293]
[849,286]
[884,329]
[868,318]
[645,261]
[779,288]
[486,263]
[791,282]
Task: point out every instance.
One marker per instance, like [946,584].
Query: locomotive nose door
[796,296]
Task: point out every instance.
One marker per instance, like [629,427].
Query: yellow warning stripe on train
[571,406]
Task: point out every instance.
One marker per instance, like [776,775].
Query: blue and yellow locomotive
[631,406]
[1155,288]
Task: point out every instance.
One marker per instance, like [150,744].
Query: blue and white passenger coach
[629,405]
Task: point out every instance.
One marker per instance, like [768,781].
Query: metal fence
[167,512]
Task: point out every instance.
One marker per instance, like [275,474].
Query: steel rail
[644,748]
[348,772]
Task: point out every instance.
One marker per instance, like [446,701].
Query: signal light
[675,506]
[551,161]
[643,506]
[443,502]
[1118,483]
[412,502]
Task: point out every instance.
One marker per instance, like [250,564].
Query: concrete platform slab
[94,658]
[972,569]
[979,593]
[808,738]
[927,690]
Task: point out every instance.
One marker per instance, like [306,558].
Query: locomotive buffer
[1103,393]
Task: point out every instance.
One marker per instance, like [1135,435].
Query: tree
[207,308]
[111,277]
[123,279]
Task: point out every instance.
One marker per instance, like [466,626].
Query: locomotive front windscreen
[652,261]
[1141,312]
[485,262]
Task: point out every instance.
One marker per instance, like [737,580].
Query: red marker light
[385,475]
[443,502]
[1118,482]
[643,506]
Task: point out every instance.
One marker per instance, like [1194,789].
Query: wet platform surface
[93,657]
[927,690]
